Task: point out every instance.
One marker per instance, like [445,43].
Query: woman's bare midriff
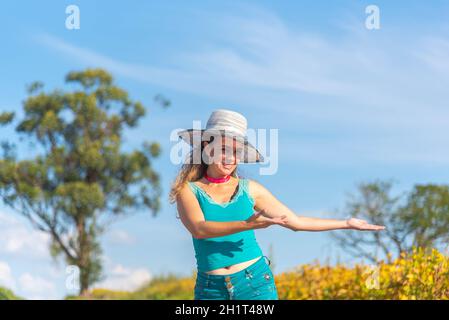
[233,268]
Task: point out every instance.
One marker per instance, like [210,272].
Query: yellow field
[418,275]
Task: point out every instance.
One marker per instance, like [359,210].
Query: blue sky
[351,105]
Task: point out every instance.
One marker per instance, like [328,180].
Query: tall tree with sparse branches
[77,179]
[417,218]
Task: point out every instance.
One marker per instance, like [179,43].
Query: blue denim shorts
[255,282]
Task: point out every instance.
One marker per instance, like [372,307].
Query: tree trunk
[83,258]
[84,282]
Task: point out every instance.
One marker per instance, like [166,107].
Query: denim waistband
[258,264]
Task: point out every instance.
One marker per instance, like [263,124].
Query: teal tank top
[219,252]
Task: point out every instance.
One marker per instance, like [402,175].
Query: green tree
[77,179]
[416,218]
[426,214]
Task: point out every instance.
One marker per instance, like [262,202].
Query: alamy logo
[267,145]
[72,21]
[372,21]
[372,281]
[73,277]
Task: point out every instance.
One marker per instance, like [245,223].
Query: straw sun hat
[223,122]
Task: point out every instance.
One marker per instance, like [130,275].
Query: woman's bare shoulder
[185,192]
[255,188]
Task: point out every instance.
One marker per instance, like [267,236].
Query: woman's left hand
[359,224]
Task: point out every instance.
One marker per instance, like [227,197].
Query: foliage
[77,179]
[164,287]
[415,275]
[6,294]
[420,274]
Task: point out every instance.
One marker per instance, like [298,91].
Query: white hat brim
[251,154]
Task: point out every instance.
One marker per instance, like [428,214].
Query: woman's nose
[229,158]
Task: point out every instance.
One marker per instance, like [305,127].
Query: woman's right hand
[261,220]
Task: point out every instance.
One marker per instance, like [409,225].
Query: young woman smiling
[221,211]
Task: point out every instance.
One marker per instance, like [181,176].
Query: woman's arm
[272,207]
[193,219]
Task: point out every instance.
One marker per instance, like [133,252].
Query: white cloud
[146,74]
[263,52]
[6,278]
[122,278]
[36,288]
[20,241]
[27,285]
[17,238]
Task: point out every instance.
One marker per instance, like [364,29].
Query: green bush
[6,294]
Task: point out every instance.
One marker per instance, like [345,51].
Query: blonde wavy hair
[191,171]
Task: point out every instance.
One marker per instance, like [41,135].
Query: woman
[217,207]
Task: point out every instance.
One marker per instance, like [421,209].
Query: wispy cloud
[176,79]
[261,52]
[379,88]
[120,237]
[124,278]
[436,55]
[36,287]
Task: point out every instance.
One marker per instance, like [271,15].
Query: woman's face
[227,157]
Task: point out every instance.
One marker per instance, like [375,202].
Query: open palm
[360,224]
